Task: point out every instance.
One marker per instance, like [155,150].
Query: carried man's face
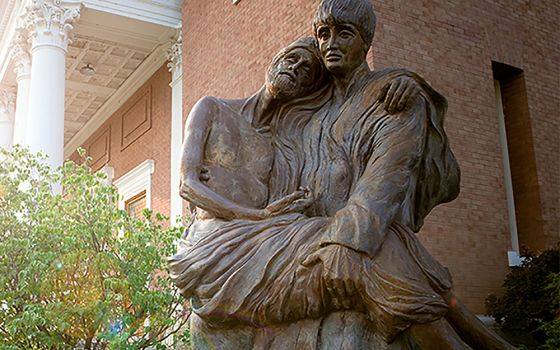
[293,74]
[341,46]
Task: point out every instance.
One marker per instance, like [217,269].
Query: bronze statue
[308,197]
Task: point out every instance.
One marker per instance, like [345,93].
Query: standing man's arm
[361,226]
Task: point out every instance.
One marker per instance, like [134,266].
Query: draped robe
[375,176]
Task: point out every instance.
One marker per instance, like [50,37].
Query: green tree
[75,271]
[529,309]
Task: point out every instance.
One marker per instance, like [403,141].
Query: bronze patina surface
[308,197]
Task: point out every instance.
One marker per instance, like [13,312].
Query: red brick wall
[451,43]
[139,130]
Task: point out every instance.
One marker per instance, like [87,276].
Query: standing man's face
[342,47]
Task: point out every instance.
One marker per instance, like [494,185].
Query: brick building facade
[452,44]
[115,95]
[138,131]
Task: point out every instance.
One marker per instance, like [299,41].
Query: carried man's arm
[194,190]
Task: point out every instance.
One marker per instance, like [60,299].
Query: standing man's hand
[295,202]
[399,93]
[342,267]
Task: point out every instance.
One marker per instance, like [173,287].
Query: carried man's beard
[282,86]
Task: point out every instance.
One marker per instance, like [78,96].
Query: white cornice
[6,7]
[163,12]
[12,9]
[148,67]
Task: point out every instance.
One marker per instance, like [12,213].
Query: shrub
[531,302]
[551,329]
[75,271]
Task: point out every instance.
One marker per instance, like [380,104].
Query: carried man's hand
[295,202]
[204,174]
[399,93]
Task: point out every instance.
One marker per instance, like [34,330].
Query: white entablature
[162,12]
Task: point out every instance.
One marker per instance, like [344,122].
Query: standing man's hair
[357,12]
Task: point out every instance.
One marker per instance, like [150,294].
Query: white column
[176,67]
[22,58]
[7,99]
[49,23]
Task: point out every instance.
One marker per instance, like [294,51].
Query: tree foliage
[76,271]
[531,302]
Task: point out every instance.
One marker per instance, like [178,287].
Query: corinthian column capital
[175,53]
[49,22]
[7,101]
[20,53]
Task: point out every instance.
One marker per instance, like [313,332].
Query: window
[520,171]
[135,188]
[135,205]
